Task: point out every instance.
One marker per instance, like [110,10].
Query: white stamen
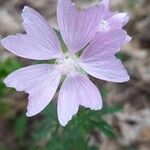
[67,64]
[104,25]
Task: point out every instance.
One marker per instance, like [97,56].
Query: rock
[143,28]
[134,126]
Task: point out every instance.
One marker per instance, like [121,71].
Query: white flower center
[104,25]
[67,64]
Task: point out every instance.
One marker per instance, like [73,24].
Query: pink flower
[78,29]
[113,20]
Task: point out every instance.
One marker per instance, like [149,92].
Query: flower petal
[40,42]
[76,90]
[106,3]
[40,81]
[104,42]
[77,27]
[118,20]
[98,58]
[128,39]
[107,12]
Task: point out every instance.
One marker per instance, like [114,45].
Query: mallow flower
[79,32]
[113,20]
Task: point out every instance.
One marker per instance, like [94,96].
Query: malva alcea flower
[113,20]
[79,29]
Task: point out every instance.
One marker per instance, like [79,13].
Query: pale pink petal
[40,42]
[117,21]
[98,58]
[77,27]
[67,105]
[128,39]
[109,69]
[76,90]
[88,94]
[40,81]
[106,3]
[104,42]
[107,12]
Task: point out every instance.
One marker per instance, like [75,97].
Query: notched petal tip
[125,16]
[26,8]
[25,12]
[7,82]
[99,107]
[3,41]
[65,120]
[128,39]
[30,114]
[63,123]
[127,78]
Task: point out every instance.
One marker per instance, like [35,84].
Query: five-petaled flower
[96,31]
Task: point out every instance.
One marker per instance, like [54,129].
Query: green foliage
[6,67]
[20,127]
[104,91]
[105,128]
[46,133]
[63,45]
[122,56]
[132,147]
[49,134]
[131,4]
[110,110]
[4,107]
[9,65]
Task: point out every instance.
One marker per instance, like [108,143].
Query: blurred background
[124,121]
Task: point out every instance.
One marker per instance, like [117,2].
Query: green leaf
[4,107]
[9,65]
[106,129]
[122,56]
[6,67]
[21,127]
[104,91]
[63,45]
[110,110]
[74,135]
